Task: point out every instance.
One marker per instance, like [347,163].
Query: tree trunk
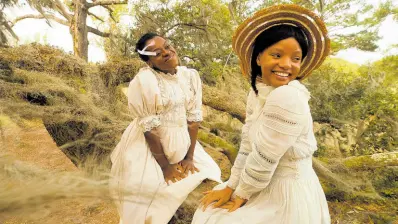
[79,30]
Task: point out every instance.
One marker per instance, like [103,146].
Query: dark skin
[166,60]
[171,172]
[187,164]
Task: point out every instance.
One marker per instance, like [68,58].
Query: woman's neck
[171,72]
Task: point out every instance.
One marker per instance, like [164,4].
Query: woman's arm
[170,171]
[194,117]
[224,195]
[153,140]
[193,128]
[284,118]
[144,100]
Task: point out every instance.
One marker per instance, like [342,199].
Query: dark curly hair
[141,44]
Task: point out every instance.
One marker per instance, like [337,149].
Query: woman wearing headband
[272,180]
[158,161]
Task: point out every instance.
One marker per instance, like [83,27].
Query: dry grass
[26,189]
[84,111]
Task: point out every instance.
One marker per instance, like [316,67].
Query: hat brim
[313,27]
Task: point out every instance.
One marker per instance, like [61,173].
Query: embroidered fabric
[150,122]
[271,134]
[195,116]
[245,147]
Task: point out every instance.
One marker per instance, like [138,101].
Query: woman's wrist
[188,157]
[165,166]
[229,189]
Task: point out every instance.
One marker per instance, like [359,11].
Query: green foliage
[200,31]
[342,93]
[333,88]
[340,19]
[385,181]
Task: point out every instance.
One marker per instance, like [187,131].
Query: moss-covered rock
[208,138]
[371,162]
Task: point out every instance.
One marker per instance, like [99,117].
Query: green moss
[360,163]
[218,142]
[380,218]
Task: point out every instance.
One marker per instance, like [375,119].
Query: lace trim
[243,153]
[278,117]
[262,155]
[241,194]
[233,181]
[195,116]
[148,123]
[161,87]
[190,83]
[251,175]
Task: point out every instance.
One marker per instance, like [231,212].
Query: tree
[5,28]
[201,31]
[347,27]
[74,16]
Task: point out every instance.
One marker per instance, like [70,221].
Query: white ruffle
[149,123]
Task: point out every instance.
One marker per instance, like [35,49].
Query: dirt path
[34,145]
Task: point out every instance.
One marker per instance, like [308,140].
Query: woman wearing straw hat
[272,180]
[158,161]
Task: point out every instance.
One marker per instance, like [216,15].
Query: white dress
[273,169]
[167,102]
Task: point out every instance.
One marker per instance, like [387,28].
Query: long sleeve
[283,119]
[144,99]
[194,108]
[245,147]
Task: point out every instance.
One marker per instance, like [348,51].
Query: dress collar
[263,90]
[168,75]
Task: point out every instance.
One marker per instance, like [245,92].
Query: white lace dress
[167,102]
[273,169]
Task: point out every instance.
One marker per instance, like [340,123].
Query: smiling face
[280,63]
[166,58]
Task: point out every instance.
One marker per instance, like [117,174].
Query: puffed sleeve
[194,109]
[283,119]
[144,99]
[245,147]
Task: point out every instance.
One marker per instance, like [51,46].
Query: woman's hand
[172,172]
[234,204]
[187,166]
[220,196]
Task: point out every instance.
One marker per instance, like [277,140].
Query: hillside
[52,102]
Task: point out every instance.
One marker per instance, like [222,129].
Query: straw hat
[313,27]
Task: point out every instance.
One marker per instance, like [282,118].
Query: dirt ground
[34,145]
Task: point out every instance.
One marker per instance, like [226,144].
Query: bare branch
[197,26]
[40,16]
[110,12]
[61,21]
[95,16]
[106,2]
[5,23]
[97,32]
[62,10]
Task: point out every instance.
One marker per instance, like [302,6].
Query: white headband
[148,53]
